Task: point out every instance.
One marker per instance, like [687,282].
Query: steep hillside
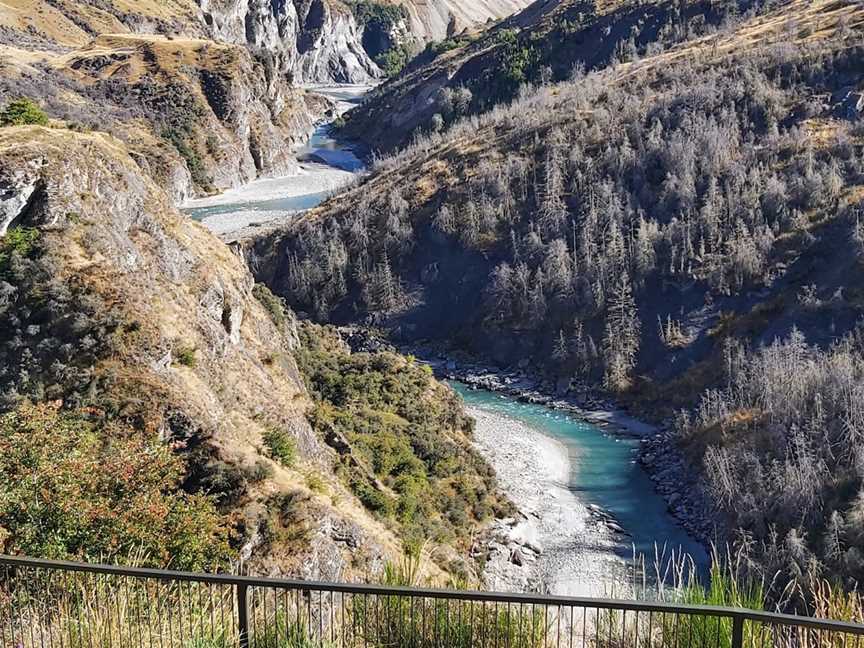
[468,74]
[128,332]
[646,228]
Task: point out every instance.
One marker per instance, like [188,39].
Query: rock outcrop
[434,20]
[199,116]
[316,41]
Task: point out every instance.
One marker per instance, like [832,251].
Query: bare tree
[621,337]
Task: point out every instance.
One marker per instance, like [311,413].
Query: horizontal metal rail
[36,589]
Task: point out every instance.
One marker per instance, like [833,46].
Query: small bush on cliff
[394,60]
[23,112]
[186,357]
[282,446]
[271,302]
[74,488]
[367,12]
[21,242]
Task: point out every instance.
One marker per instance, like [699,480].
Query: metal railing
[72,605]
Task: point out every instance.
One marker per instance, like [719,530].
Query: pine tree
[381,290]
[645,258]
[553,209]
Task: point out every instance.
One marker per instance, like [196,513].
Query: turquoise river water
[603,471]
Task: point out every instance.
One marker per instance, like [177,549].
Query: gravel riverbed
[659,455]
[553,544]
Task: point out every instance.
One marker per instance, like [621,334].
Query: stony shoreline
[659,456]
[554,544]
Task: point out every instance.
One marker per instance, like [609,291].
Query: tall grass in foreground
[422,622]
[730,584]
[90,611]
[675,580]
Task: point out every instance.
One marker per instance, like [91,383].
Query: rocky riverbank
[555,544]
[659,455]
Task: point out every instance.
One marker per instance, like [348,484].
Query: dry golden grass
[72,23]
[796,22]
[822,133]
[131,57]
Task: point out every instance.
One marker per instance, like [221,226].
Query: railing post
[242,616]
[737,631]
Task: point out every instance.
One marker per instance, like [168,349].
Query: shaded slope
[545,42]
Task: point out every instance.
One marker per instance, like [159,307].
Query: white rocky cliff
[439,19]
[321,41]
[317,41]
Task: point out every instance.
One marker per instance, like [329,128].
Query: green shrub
[315,482]
[272,303]
[373,499]
[186,356]
[21,242]
[517,64]
[408,430]
[394,60]
[181,139]
[384,17]
[367,12]
[73,488]
[439,47]
[282,446]
[23,112]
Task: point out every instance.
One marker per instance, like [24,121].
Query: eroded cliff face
[199,116]
[121,306]
[321,41]
[432,20]
[316,41]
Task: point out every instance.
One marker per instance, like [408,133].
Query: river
[565,473]
[325,166]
